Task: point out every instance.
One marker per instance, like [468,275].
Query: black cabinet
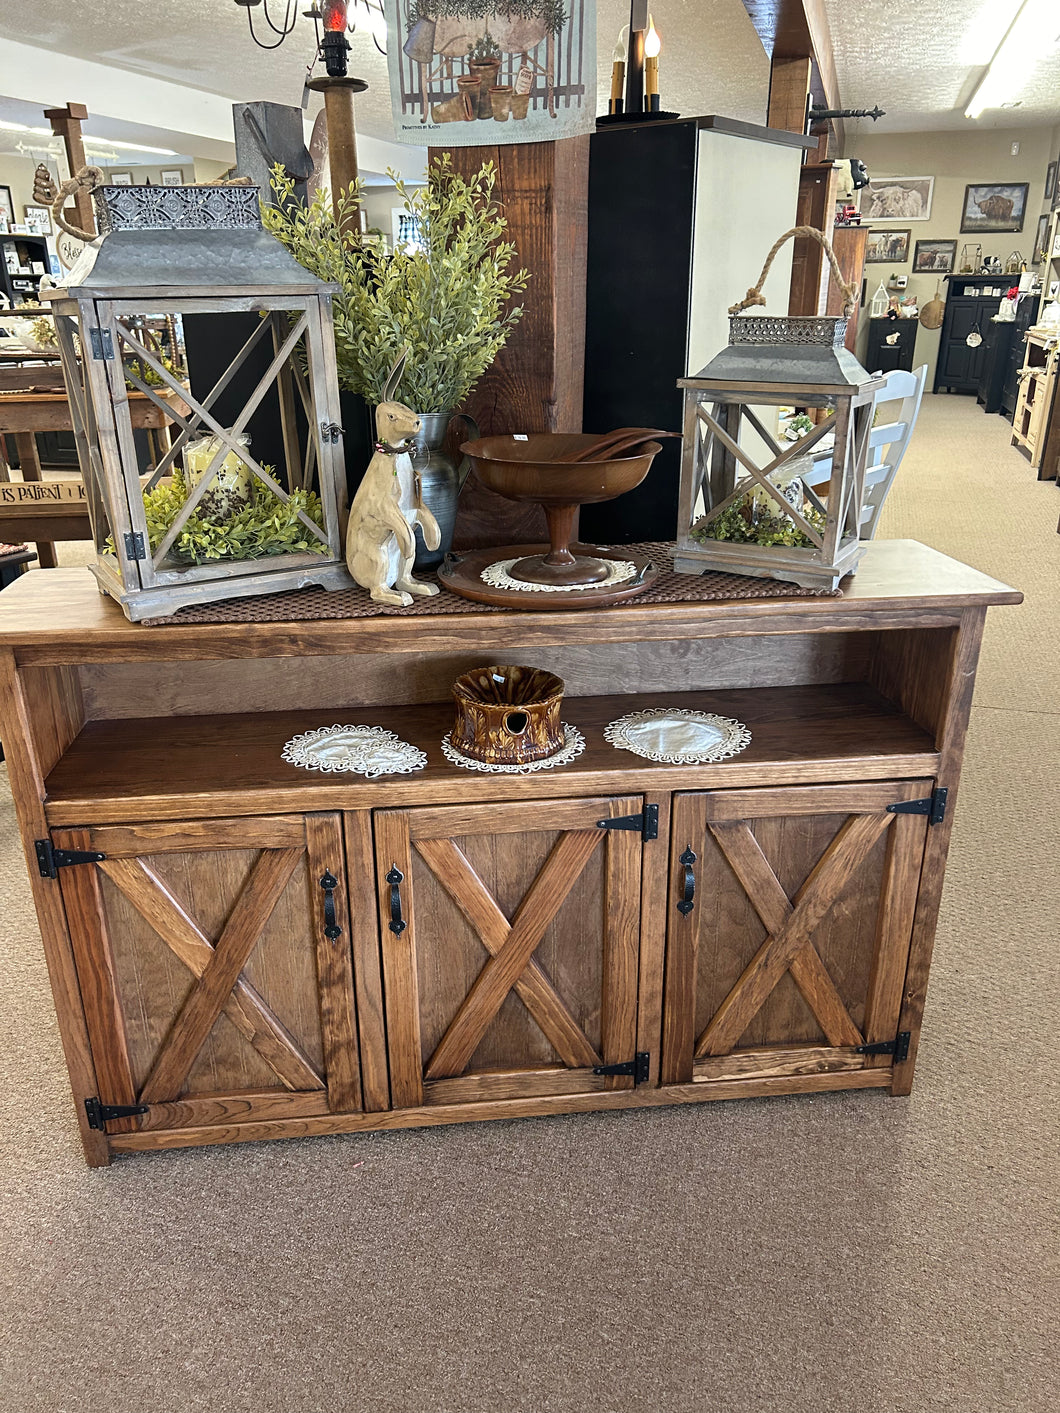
[997,350]
[892,344]
[968,311]
[22,252]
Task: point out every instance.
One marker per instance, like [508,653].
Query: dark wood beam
[798,29]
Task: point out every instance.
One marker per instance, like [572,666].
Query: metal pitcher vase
[440,481]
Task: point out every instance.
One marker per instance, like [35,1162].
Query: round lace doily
[498,576]
[363,750]
[573,745]
[675,736]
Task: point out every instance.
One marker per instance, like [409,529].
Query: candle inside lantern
[232,488]
[652,45]
[618,74]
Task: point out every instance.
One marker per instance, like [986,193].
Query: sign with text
[472,73]
[38,493]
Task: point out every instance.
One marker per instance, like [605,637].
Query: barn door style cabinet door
[790,929]
[214,960]
[511,941]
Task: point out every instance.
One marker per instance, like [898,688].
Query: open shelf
[188,767]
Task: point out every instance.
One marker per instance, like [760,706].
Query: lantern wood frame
[143,583]
[714,410]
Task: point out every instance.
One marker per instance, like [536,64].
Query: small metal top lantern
[200,514]
[745,506]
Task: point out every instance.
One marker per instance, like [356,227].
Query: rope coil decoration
[87,179]
[755,296]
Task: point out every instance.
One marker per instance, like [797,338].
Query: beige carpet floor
[827,1254]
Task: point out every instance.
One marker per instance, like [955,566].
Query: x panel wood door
[511,938]
[793,951]
[212,990]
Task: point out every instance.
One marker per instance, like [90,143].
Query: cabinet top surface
[62,612]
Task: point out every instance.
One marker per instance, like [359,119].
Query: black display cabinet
[968,310]
[23,251]
[882,356]
[997,349]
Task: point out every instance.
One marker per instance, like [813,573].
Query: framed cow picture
[994,207]
[897,199]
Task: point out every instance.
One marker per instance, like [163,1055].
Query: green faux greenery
[483,50]
[147,374]
[551,12]
[267,526]
[449,304]
[42,332]
[748,522]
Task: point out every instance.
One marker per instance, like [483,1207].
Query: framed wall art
[120,179]
[1040,240]
[994,206]
[934,257]
[7,206]
[887,247]
[1050,181]
[172,176]
[897,199]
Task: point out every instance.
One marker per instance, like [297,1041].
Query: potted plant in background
[484,62]
[448,297]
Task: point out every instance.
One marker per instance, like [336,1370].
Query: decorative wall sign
[994,207]
[471,73]
[887,247]
[897,199]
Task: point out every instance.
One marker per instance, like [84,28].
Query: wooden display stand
[1036,420]
[240,949]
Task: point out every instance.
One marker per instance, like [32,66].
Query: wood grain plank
[204,1003]
[894,926]
[367,962]
[195,835]
[429,1116]
[157,905]
[841,858]
[245,1106]
[621,949]
[780,1060]
[393,849]
[654,902]
[732,805]
[98,979]
[679,1014]
[566,861]
[338,1010]
[456,875]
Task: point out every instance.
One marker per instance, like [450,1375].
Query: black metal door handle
[397,923]
[331,928]
[688,890]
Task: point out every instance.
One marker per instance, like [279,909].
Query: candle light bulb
[652,42]
[618,54]
[334,15]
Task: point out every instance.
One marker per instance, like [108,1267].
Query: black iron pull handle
[688,890]
[397,923]
[331,928]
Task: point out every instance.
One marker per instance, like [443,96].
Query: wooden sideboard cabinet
[240,949]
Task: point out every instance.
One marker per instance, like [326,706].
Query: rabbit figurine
[381,535]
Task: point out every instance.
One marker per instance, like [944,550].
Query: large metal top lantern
[745,505]
[205,510]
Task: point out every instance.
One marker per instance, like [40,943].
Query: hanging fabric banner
[471,73]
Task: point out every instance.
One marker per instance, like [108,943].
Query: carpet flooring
[824,1254]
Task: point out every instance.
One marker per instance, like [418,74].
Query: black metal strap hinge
[898,1047]
[134,545]
[646,823]
[99,1115]
[50,860]
[934,806]
[637,1067]
[102,345]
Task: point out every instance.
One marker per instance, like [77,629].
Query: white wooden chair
[901,395]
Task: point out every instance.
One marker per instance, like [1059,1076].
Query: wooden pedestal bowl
[532,469]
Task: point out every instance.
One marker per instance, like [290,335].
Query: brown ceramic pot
[486,72]
[501,99]
[508,715]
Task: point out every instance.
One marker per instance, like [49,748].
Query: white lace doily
[363,750]
[498,576]
[675,736]
[573,745]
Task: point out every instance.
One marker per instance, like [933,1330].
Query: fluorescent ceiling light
[99,143]
[1030,33]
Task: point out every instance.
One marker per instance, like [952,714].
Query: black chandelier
[331,23]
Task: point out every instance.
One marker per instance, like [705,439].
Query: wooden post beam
[798,30]
[66,123]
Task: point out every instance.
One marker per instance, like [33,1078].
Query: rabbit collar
[389,450]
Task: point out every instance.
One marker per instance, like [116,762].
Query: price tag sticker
[519,437]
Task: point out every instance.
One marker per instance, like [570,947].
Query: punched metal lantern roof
[768,349]
[186,238]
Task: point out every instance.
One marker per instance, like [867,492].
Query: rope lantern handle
[755,296]
[87,179]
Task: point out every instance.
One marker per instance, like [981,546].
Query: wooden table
[240,949]
[25,412]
